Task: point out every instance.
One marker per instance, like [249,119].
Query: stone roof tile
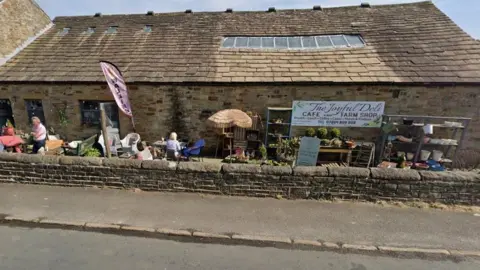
[404,43]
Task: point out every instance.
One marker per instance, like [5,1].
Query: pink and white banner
[117,86]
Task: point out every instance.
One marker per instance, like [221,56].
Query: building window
[6,112]
[90,113]
[34,108]
[295,42]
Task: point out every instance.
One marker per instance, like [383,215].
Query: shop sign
[337,113]
[308,152]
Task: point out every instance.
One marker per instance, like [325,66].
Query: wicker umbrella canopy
[229,118]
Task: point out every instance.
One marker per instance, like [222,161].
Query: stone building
[181,67]
[21,21]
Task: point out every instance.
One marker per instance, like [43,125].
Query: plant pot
[437,155]
[424,155]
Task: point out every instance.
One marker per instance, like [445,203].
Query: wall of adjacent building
[20,22]
[161,109]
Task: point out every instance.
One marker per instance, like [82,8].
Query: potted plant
[322,133]
[263,152]
[335,133]
[310,132]
[92,152]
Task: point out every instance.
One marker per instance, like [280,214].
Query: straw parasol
[229,118]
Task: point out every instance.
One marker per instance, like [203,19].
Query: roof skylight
[295,42]
[148,28]
[65,31]
[112,30]
[91,30]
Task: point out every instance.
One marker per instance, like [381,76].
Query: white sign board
[308,152]
[337,113]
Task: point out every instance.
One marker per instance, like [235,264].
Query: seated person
[173,146]
[140,149]
[195,148]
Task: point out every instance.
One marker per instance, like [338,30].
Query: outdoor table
[340,151]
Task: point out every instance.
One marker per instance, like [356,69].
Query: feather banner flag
[118,87]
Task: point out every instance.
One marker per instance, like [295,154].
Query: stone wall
[244,180]
[20,21]
[160,109]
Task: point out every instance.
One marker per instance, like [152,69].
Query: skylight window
[339,41]
[91,30]
[267,42]
[65,31]
[295,42]
[148,28]
[241,42]
[112,30]
[228,42]
[354,41]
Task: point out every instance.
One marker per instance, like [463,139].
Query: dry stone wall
[244,180]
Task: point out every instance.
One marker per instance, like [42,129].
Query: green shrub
[322,133]
[263,151]
[310,132]
[335,133]
[92,152]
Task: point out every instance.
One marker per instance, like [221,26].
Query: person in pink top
[39,133]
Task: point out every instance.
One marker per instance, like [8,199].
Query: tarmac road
[42,249]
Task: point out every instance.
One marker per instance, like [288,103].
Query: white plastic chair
[129,143]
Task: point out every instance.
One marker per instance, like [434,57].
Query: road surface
[41,249]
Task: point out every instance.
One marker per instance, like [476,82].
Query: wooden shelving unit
[416,130]
[276,128]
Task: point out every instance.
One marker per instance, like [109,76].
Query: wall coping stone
[310,171]
[241,168]
[207,167]
[395,174]
[346,172]
[162,165]
[122,163]
[80,161]
[276,170]
[37,159]
[9,157]
[449,176]
[202,167]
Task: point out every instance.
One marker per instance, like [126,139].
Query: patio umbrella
[229,118]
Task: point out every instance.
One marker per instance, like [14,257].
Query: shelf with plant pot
[278,125]
[420,131]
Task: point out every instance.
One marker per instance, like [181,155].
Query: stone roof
[409,43]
